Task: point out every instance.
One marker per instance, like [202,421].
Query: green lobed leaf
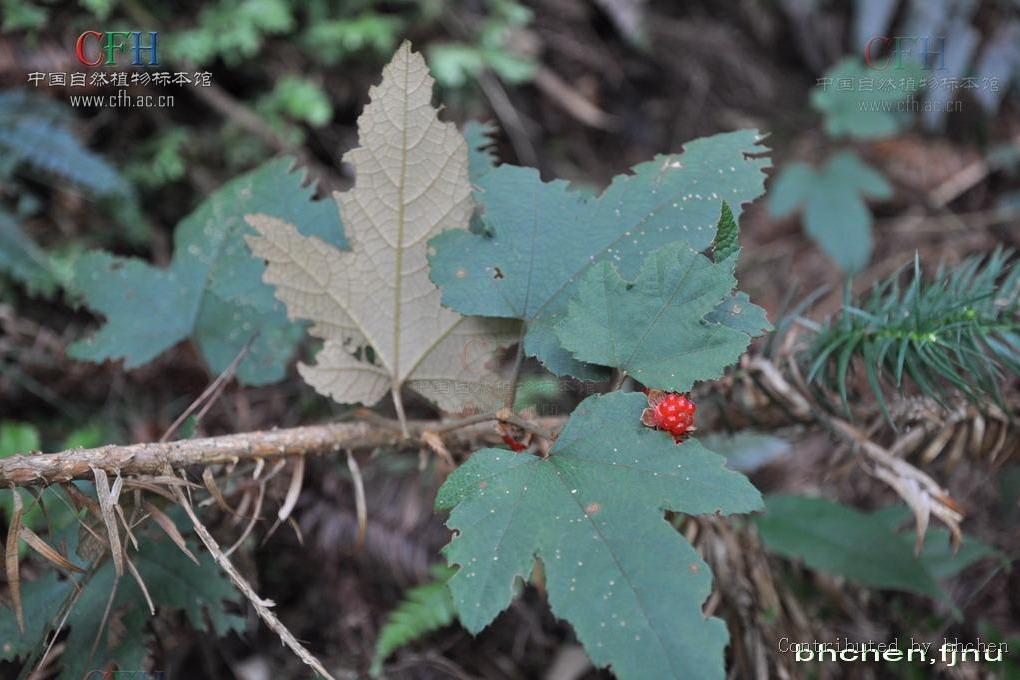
[213,290]
[593,513]
[840,540]
[860,102]
[655,327]
[835,214]
[541,237]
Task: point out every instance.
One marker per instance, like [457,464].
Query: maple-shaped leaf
[539,238]
[835,214]
[655,327]
[411,183]
[858,101]
[593,513]
[213,290]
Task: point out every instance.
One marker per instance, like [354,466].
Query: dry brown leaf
[106,502]
[293,491]
[412,183]
[11,559]
[214,491]
[168,527]
[47,551]
[359,500]
[435,442]
[141,584]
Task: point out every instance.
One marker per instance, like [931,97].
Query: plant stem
[398,404]
[619,376]
[150,459]
[501,416]
[511,398]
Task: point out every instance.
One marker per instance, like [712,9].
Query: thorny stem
[527,426]
[262,607]
[150,459]
[211,392]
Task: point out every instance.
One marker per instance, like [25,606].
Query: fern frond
[424,609]
[23,260]
[960,331]
[36,133]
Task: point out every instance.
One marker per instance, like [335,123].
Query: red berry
[671,412]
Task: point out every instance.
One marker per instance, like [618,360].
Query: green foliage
[99,8]
[233,30]
[727,235]
[35,134]
[860,102]
[331,40]
[455,64]
[655,327]
[832,198]
[159,160]
[592,511]
[534,390]
[36,141]
[213,289]
[423,610]
[17,438]
[481,155]
[747,450]
[961,330]
[299,99]
[20,15]
[23,260]
[840,540]
[173,581]
[526,264]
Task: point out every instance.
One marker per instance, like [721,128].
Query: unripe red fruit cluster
[669,411]
[675,414]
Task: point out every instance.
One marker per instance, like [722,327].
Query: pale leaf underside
[411,184]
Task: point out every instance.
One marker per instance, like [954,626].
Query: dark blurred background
[582,89]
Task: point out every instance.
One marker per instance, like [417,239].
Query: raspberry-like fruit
[671,412]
